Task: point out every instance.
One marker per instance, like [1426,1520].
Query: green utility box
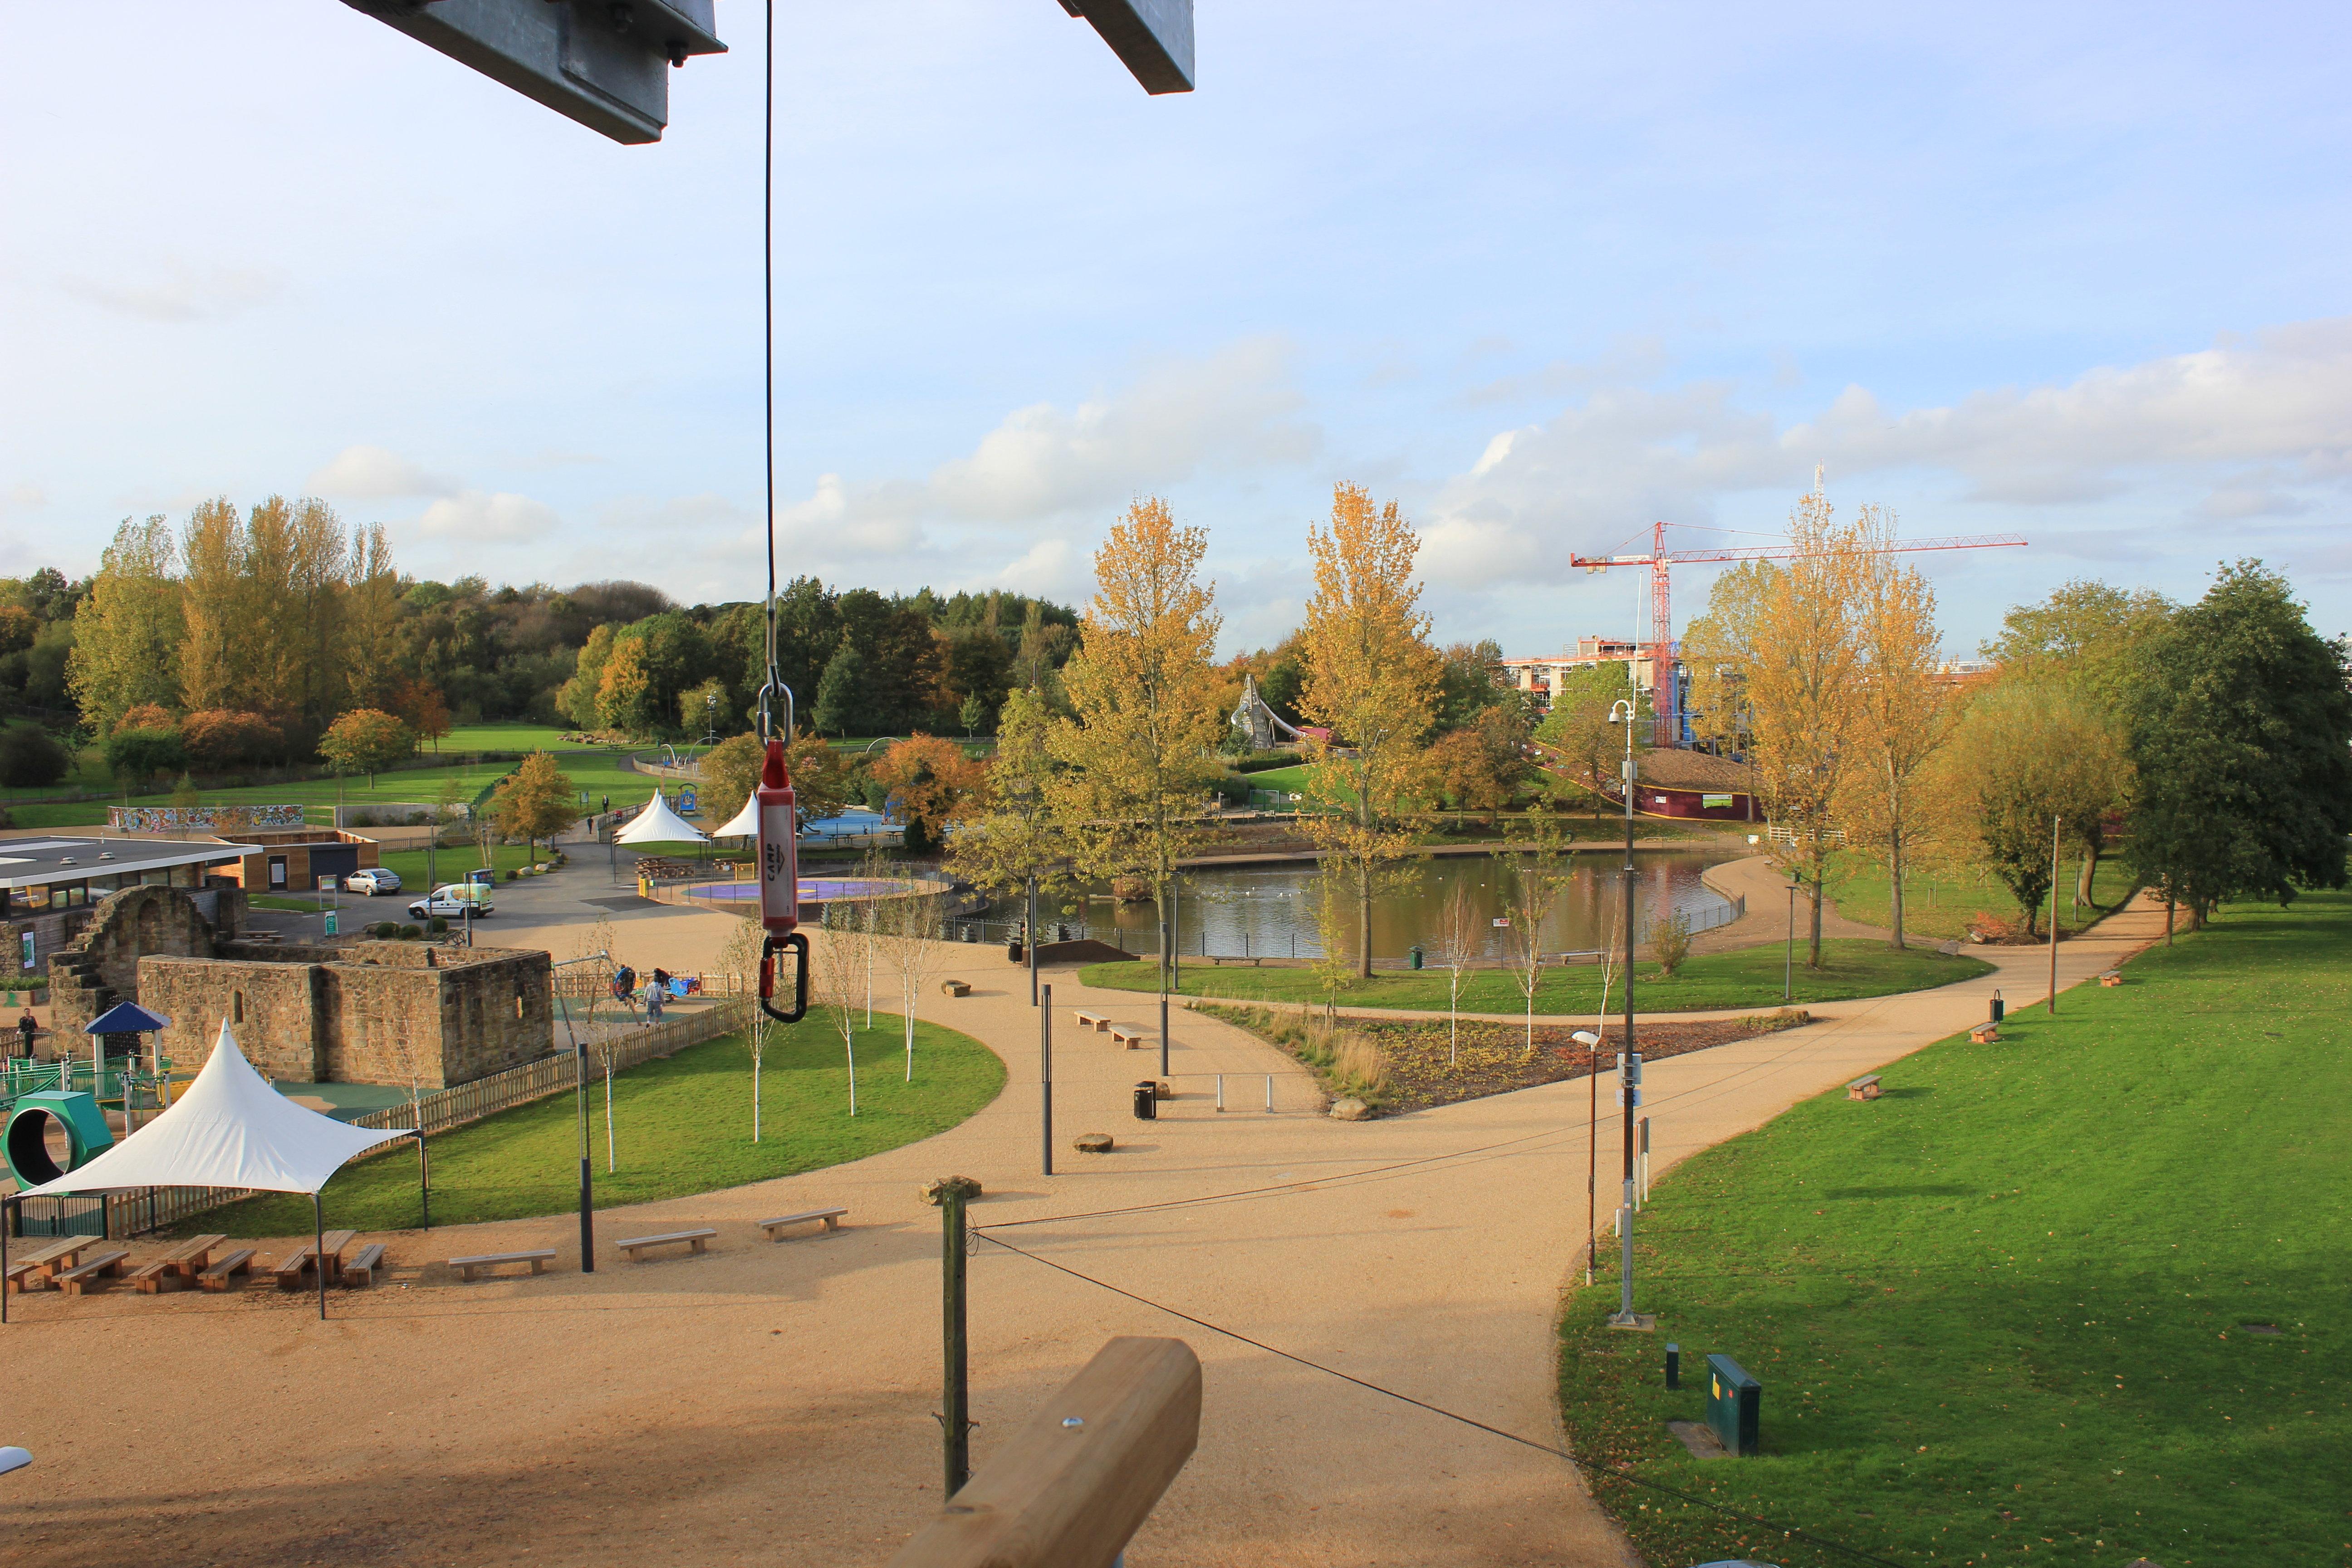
[1734,1405]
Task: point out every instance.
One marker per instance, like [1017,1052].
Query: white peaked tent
[657,824]
[747,821]
[230,1129]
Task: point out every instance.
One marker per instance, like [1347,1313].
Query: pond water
[1268,909]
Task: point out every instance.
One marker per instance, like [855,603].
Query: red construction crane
[1666,696]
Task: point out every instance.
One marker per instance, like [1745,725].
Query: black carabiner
[768,950]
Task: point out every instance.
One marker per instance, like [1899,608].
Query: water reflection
[1267,911]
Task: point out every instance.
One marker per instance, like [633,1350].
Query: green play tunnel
[87,1134]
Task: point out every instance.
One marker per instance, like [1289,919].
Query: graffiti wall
[200,819]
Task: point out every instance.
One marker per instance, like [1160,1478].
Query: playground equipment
[87,1134]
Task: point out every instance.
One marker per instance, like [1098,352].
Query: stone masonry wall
[102,967]
[274,1009]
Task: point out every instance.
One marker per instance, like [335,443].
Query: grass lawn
[450,864]
[1940,907]
[2009,1312]
[1750,977]
[681,1126]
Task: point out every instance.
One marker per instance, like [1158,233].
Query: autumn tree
[2026,756]
[1137,757]
[366,741]
[128,632]
[220,739]
[1371,681]
[536,801]
[1718,650]
[1481,765]
[730,771]
[928,779]
[1010,837]
[1578,728]
[1900,709]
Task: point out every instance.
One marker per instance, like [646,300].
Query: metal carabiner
[798,942]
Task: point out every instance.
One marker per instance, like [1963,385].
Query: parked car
[453,900]
[373,881]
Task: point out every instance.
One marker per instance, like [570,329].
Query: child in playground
[657,998]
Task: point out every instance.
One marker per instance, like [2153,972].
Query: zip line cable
[774,680]
[1591,1470]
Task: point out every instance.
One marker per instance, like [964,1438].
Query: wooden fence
[153,1208]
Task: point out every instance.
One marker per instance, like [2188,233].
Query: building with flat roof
[1537,675]
[52,882]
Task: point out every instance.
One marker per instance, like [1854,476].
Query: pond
[1266,910]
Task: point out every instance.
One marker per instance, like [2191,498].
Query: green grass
[497,737]
[1941,907]
[681,1126]
[450,864]
[2000,1315]
[1292,778]
[1749,977]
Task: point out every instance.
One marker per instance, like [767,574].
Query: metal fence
[153,1208]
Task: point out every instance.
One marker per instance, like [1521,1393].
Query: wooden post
[1074,1483]
[319,1250]
[951,1194]
[1045,1074]
[2054,914]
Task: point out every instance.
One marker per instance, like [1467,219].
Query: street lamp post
[1788,966]
[1629,1080]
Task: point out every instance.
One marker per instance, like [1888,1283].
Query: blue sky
[1541,272]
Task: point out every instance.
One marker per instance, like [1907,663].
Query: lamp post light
[1629,1077]
[1788,966]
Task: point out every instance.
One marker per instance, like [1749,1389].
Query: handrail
[1082,1475]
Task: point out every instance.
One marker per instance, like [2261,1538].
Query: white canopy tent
[230,1129]
[657,824]
[746,823]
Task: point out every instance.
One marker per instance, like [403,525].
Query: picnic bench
[153,1279]
[325,1254]
[696,1239]
[93,1274]
[829,1218]
[955,988]
[361,1271]
[1254,962]
[217,1273]
[466,1266]
[1098,1022]
[1863,1088]
[2111,977]
[1127,1035]
[188,1258]
[35,1270]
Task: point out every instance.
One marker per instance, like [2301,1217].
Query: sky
[1543,274]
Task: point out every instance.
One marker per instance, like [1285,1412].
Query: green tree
[2240,725]
[1011,834]
[2026,755]
[127,634]
[1577,728]
[366,741]
[841,693]
[30,758]
[536,801]
[135,756]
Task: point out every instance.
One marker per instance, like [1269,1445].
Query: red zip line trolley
[780,886]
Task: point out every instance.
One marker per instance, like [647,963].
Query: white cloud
[481,517]
[181,293]
[2255,425]
[373,473]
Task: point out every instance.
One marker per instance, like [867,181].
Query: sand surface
[772,1402]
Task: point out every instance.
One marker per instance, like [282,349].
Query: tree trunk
[2082,882]
[1364,922]
[1895,865]
[1814,962]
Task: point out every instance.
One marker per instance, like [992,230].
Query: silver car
[373,881]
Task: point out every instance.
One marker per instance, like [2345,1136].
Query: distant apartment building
[1538,674]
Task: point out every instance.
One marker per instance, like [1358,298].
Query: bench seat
[637,1244]
[829,1218]
[1098,1022]
[955,988]
[1132,1038]
[216,1275]
[359,1272]
[466,1266]
[188,1258]
[1863,1088]
[93,1274]
[2111,977]
[155,1277]
[291,1269]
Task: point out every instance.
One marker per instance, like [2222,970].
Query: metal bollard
[1270,1091]
[1221,1091]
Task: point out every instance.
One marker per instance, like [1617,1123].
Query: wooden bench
[217,1273]
[188,1258]
[1254,963]
[955,988]
[1098,1022]
[291,1269]
[1985,1035]
[696,1239]
[154,1278]
[338,1242]
[466,1266]
[829,1218]
[359,1272]
[92,1275]
[1134,1039]
[39,1267]
[1863,1087]
[2111,977]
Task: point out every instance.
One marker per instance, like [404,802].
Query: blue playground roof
[127,1018]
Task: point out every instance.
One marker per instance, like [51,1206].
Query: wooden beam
[1063,1496]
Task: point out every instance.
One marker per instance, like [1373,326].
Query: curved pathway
[773,1402]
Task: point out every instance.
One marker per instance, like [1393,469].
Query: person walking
[29,1027]
[657,998]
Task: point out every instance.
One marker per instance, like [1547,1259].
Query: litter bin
[1146,1102]
[1999,1006]
[1412,958]
[1012,950]
[1734,1405]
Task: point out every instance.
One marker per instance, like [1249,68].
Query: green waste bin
[1734,1405]
[1412,957]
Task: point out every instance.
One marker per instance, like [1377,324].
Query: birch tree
[1533,884]
[842,977]
[912,928]
[1372,680]
[1460,938]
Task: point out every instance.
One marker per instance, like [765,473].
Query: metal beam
[605,63]
[1153,38]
